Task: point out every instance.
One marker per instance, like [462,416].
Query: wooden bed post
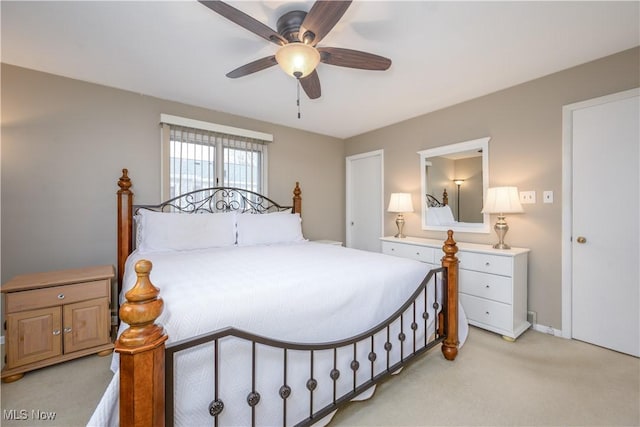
[450,261]
[297,199]
[125,223]
[141,348]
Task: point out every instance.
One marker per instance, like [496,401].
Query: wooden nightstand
[56,316]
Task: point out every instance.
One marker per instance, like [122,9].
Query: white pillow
[432,216]
[445,215]
[181,231]
[440,215]
[265,229]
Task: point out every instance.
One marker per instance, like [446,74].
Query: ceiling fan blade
[253,67]
[353,59]
[245,21]
[311,85]
[322,17]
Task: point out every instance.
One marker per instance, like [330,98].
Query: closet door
[605,232]
[364,202]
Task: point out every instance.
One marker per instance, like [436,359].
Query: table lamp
[502,200]
[400,203]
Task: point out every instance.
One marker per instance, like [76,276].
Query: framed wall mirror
[454,181]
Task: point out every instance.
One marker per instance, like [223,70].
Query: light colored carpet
[539,380]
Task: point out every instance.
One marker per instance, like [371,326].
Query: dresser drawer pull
[487,286]
[418,253]
[487,264]
[67,330]
[56,332]
[60,296]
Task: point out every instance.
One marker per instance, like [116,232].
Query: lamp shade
[298,59]
[400,202]
[502,200]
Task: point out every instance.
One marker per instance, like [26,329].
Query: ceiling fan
[298,35]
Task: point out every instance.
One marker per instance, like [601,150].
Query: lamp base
[400,225]
[501,246]
[501,229]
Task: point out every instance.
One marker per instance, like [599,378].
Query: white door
[364,202]
[605,215]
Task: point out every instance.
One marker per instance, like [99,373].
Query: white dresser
[492,282]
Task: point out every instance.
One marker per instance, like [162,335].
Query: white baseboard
[547,330]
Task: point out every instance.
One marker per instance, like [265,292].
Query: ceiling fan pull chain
[298,99]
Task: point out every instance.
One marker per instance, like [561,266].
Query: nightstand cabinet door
[33,336]
[86,324]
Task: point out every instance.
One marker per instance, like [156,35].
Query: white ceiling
[443,53]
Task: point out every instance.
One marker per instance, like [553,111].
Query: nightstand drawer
[487,312]
[419,253]
[486,263]
[49,297]
[484,285]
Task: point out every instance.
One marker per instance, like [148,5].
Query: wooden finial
[124,182]
[445,197]
[297,199]
[140,311]
[141,348]
[450,247]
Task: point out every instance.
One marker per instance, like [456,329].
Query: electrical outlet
[527,197]
[547,196]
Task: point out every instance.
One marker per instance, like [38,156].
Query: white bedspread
[304,292]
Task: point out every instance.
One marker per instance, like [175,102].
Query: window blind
[201,158]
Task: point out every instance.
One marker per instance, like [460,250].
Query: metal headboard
[217,199]
[432,202]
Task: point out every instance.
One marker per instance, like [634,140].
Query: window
[200,155]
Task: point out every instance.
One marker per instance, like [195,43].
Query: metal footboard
[408,327]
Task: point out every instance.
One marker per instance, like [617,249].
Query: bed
[256,325]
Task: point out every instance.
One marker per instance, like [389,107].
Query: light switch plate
[527,197]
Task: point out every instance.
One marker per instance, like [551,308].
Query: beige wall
[64,143]
[525,126]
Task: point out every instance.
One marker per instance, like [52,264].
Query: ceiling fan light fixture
[298,59]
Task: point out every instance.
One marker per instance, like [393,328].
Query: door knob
[581,239]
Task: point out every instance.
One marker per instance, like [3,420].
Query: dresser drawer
[487,312]
[57,295]
[419,253]
[485,285]
[486,263]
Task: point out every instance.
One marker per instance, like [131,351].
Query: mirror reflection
[454,181]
